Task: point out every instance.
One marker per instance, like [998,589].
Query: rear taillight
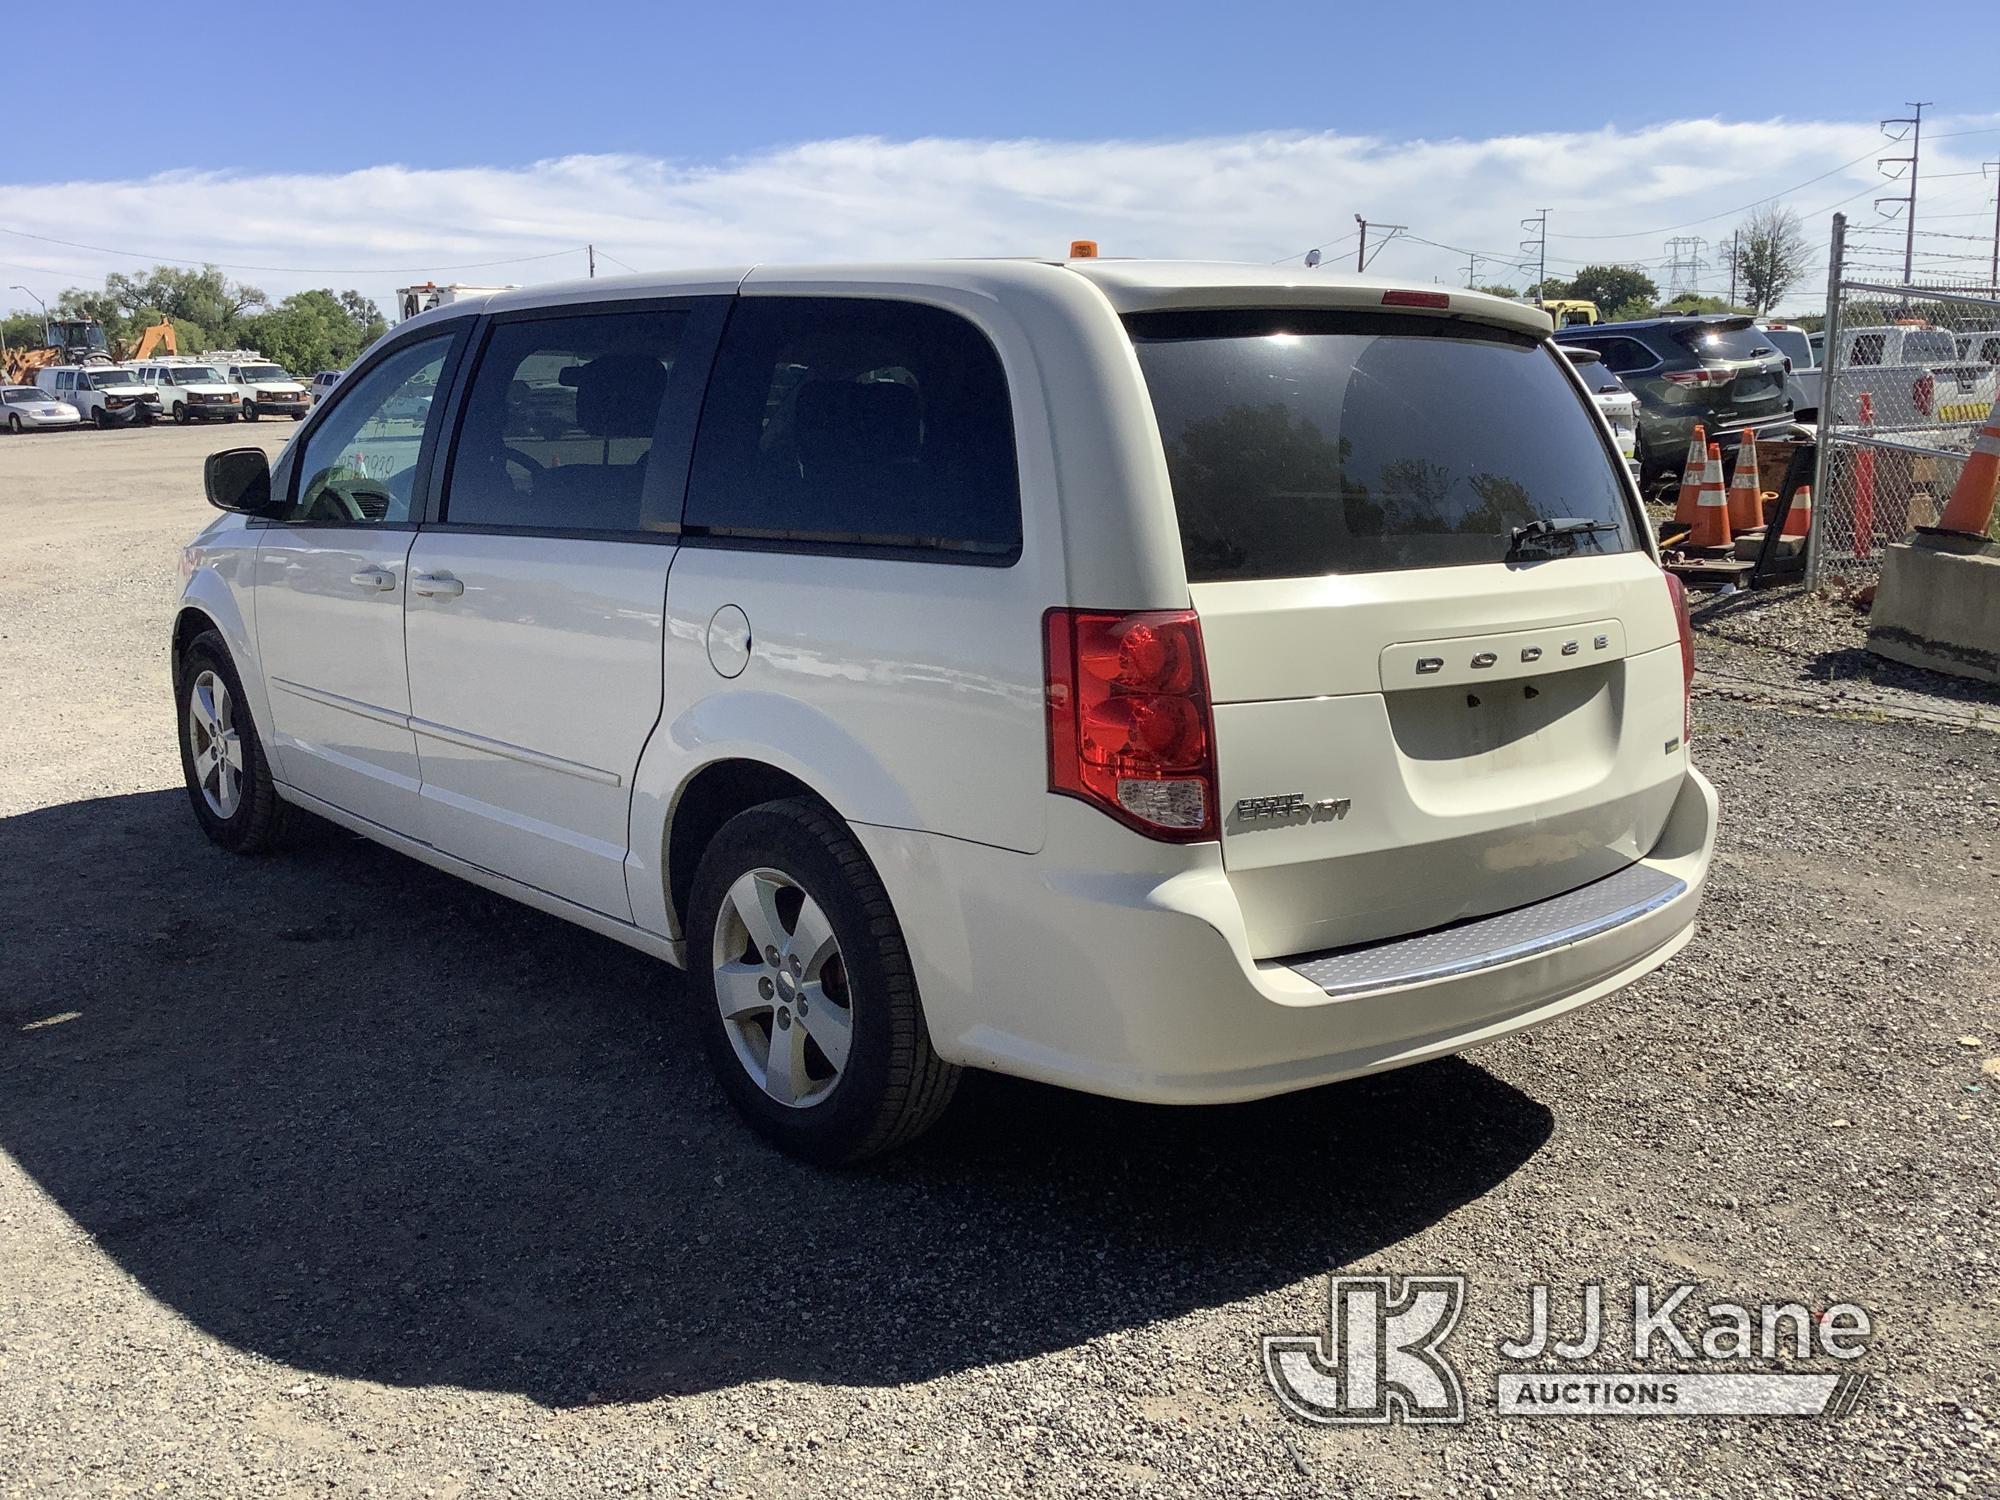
[1129,723]
[1701,379]
[1401,298]
[1678,594]
[1923,393]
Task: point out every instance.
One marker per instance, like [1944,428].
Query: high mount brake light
[1129,724]
[1416,299]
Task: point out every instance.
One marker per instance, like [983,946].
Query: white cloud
[1255,197]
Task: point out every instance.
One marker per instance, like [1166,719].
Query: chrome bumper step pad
[1483,942]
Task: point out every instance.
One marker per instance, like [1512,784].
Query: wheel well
[714,795]
[187,625]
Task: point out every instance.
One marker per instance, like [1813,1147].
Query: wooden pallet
[1708,572]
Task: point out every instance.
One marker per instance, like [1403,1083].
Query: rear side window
[1792,344]
[1302,444]
[1597,377]
[559,423]
[857,422]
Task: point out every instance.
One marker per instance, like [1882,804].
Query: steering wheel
[515,455]
[334,503]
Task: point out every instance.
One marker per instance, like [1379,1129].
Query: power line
[1322,245]
[1745,208]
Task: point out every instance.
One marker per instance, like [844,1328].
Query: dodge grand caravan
[1179,682]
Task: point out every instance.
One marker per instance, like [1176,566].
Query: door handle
[373,578]
[436,586]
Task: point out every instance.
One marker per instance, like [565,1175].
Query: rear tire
[241,811]
[858,1076]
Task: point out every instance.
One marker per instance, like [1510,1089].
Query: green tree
[1688,303]
[1769,256]
[315,330]
[1498,289]
[205,296]
[1618,291]
[22,330]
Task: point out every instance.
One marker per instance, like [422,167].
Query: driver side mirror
[238,479]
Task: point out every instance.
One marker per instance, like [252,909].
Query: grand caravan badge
[1290,807]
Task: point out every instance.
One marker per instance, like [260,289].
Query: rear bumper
[1664,439]
[1140,985]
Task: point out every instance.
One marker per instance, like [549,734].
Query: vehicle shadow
[354,1115]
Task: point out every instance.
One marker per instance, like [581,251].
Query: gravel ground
[325,1174]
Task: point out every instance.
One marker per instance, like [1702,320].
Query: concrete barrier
[1938,605]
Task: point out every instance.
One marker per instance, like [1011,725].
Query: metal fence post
[1829,393]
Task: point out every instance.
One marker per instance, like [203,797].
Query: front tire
[14,423]
[180,414]
[249,411]
[808,1005]
[222,756]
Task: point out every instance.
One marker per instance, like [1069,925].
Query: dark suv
[1716,369]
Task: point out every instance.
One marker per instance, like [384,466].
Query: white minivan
[1180,682]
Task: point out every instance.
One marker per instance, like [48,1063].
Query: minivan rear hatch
[1445,672]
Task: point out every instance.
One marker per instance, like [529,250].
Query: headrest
[846,425]
[619,395]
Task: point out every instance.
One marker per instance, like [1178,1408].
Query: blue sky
[366,145]
[330,86]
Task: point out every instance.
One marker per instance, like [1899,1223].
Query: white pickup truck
[1802,370]
[1914,377]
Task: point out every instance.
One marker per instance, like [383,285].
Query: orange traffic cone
[1690,495]
[1970,508]
[1798,520]
[1711,515]
[1746,495]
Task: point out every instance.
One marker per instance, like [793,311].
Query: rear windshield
[1305,443]
[1720,341]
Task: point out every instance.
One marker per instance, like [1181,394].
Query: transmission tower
[1685,265]
[1535,249]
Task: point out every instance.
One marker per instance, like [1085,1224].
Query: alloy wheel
[781,985]
[217,746]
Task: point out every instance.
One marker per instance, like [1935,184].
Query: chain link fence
[1908,376]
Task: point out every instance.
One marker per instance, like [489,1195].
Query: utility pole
[1735,244]
[1361,255]
[1538,224]
[591,251]
[1993,274]
[1916,125]
[1471,269]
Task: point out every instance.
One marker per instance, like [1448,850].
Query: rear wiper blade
[1545,533]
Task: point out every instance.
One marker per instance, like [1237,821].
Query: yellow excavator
[81,341]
